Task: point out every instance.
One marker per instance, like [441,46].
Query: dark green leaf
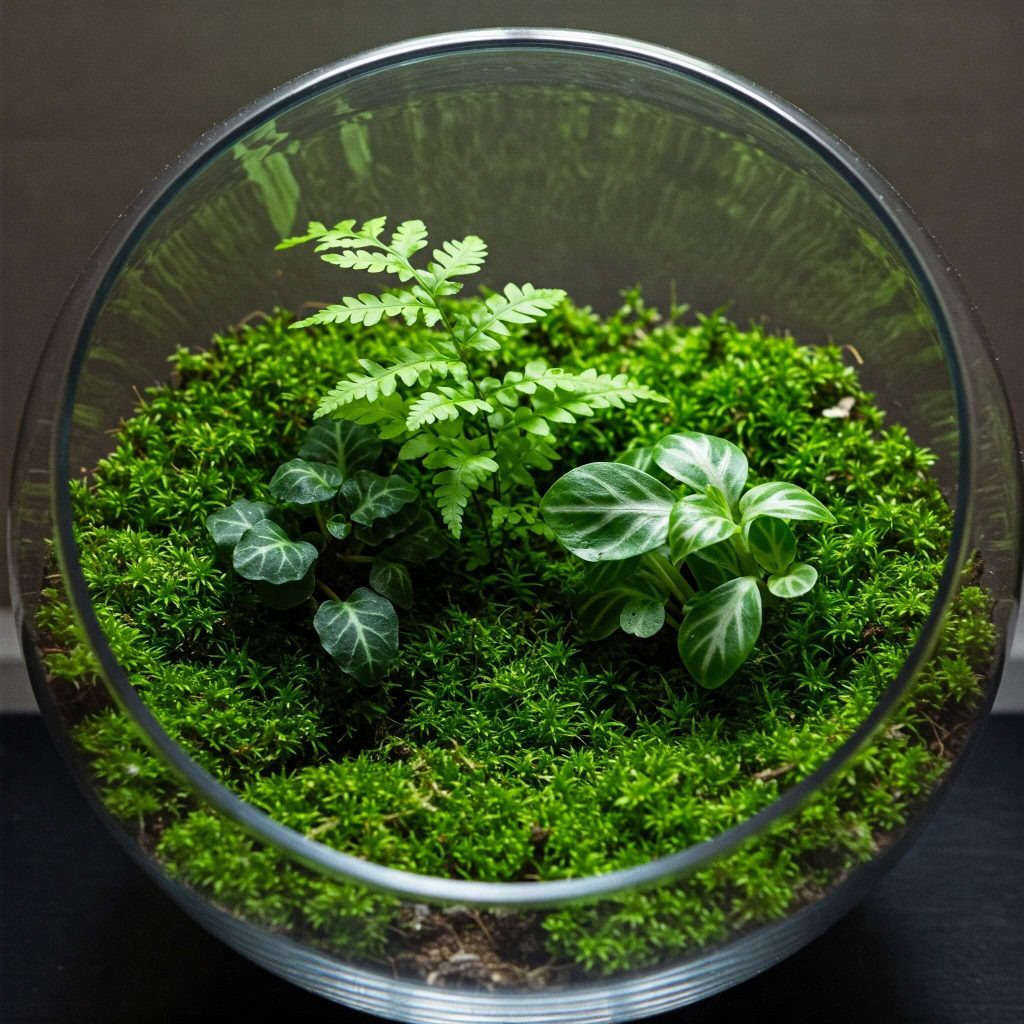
[771,542]
[227,525]
[305,483]
[715,565]
[367,496]
[392,580]
[795,581]
[264,552]
[608,511]
[339,527]
[642,616]
[282,596]
[341,443]
[701,460]
[611,587]
[783,501]
[387,527]
[720,630]
[697,521]
[423,542]
[361,634]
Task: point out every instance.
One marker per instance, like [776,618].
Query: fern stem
[485,524]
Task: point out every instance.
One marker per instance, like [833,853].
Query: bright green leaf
[608,511]
[305,483]
[720,630]
[697,521]
[264,552]
[642,617]
[795,581]
[783,501]
[700,461]
[361,634]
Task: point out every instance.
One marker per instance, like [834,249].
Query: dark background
[98,95]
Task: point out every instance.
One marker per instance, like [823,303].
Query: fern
[474,428]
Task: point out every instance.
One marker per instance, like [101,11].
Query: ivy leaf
[701,461]
[697,521]
[392,580]
[611,587]
[368,496]
[387,527]
[608,511]
[783,501]
[338,527]
[714,565]
[340,443]
[423,542]
[305,483]
[282,596]
[264,552]
[795,581]
[361,634]
[720,630]
[771,542]
[227,525]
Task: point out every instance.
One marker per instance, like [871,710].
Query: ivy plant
[702,555]
[335,521]
[445,397]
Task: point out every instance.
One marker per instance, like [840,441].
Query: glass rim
[941,292]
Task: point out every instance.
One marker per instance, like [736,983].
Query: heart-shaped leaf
[796,580]
[282,596]
[782,501]
[700,461]
[383,529]
[697,521]
[642,616]
[392,580]
[720,630]
[227,525]
[610,588]
[608,511]
[305,483]
[715,565]
[339,527]
[361,634]
[771,542]
[423,541]
[265,553]
[368,496]
[341,443]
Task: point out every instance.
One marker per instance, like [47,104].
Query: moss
[502,747]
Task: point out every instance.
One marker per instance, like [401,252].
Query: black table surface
[88,939]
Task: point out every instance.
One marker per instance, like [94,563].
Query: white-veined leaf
[639,458]
[715,565]
[361,634]
[609,587]
[701,461]
[608,511]
[387,527]
[783,501]
[368,496]
[227,525]
[305,483]
[340,443]
[642,616]
[264,552]
[697,521]
[720,630]
[771,542]
[339,527]
[392,580]
[795,581]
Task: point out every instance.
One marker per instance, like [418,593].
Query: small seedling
[702,561]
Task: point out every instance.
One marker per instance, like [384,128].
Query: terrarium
[546,799]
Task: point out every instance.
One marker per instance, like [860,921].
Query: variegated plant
[701,555]
[333,510]
[441,396]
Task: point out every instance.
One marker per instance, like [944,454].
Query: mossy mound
[502,747]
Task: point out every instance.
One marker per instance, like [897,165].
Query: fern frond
[369,309]
[444,404]
[314,230]
[517,454]
[487,323]
[387,414]
[365,259]
[458,257]
[410,367]
[409,237]
[464,465]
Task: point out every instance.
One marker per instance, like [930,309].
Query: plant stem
[327,590]
[671,620]
[481,511]
[358,558]
[680,589]
[747,562]
[318,512]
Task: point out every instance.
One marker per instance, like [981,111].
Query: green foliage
[614,512]
[503,745]
[439,396]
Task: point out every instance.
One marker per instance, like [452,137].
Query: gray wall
[98,96]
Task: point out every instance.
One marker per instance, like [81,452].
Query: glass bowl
[586,160]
